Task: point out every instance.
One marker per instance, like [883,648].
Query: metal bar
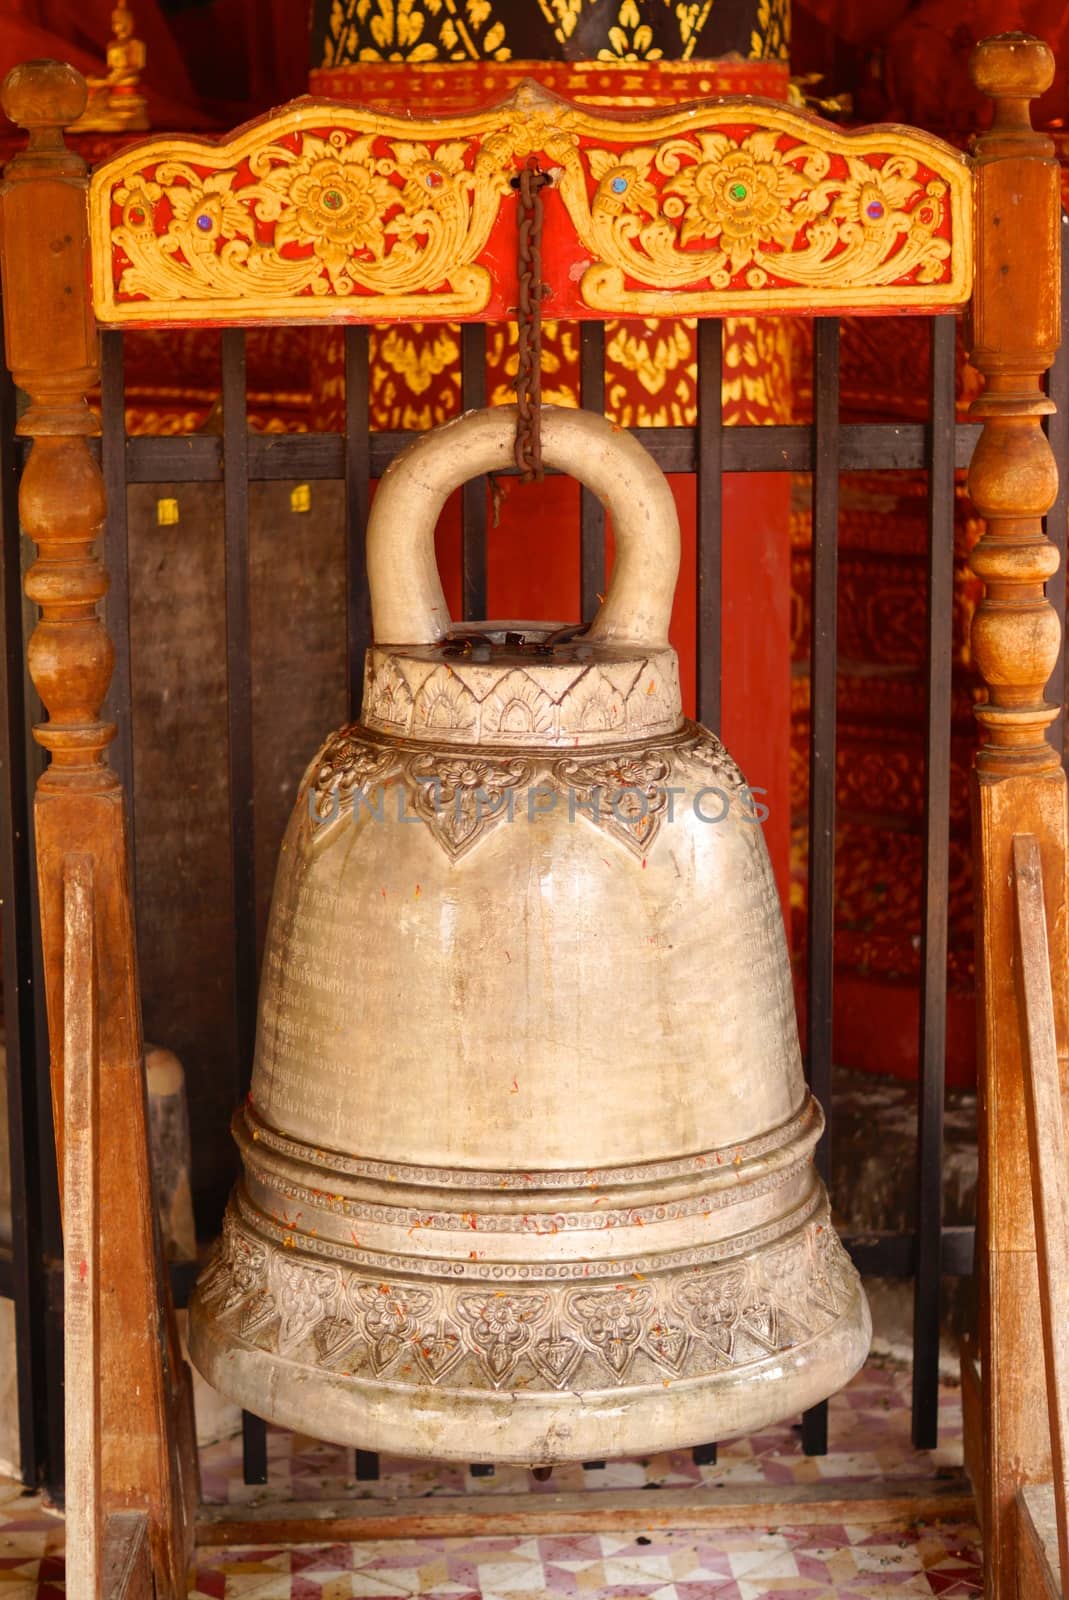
[116,552]
[591,510]
[710,502]
[25,1269]
[1057,427]
[357,502]
[822,698]
[709,492]
[239,749]
[473,494]
[239,699]
[935,889]
[894,1255]
[869,447]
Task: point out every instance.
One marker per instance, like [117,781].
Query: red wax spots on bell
[83,1270]
[515,1087]
[419,891]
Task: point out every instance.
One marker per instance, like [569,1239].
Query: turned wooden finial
[1013,479]
[1013,69]
[43,94]
[52,349]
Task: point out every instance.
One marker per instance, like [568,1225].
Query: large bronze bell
[527,1157]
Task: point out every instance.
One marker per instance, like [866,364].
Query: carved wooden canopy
[327,211]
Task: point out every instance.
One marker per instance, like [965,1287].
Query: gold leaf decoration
[413,30]
[562,15]
[631,39]
[692,15]
[771,39]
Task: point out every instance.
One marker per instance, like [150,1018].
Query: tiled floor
[869,1434]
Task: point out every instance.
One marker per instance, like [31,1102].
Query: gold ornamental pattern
[350,32]
[327,210]
[414,30]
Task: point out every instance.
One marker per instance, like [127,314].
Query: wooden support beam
[472,1516]
[146,1457]
[1047,1151]
[81,1235]
[1038,1572]
[1018,784]
[127,1558]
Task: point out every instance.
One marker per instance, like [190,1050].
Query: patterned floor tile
[870,1436]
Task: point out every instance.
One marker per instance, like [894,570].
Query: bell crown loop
[408,605]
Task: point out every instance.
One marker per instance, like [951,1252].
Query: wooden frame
[141,1389]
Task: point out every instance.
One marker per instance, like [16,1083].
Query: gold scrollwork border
[328,211]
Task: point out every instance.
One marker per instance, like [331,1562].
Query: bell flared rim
[509,1425]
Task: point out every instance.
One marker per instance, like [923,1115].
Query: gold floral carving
[760,218]
[302,218]
[740,206]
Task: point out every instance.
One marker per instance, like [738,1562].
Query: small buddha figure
[115,104]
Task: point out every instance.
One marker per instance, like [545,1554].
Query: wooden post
[1018,784]
[1047,1154]
[147,1460]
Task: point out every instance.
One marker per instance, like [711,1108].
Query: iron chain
[529,321]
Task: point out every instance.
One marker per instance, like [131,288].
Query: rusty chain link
[529,320]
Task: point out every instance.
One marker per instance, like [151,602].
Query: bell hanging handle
[407,602]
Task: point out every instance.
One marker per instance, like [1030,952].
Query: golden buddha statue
[115,104]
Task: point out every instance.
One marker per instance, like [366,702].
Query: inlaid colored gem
[333,200]
[204,222]
[137,215]
[738,191]
[619,185]
[434,180]
[874,209]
